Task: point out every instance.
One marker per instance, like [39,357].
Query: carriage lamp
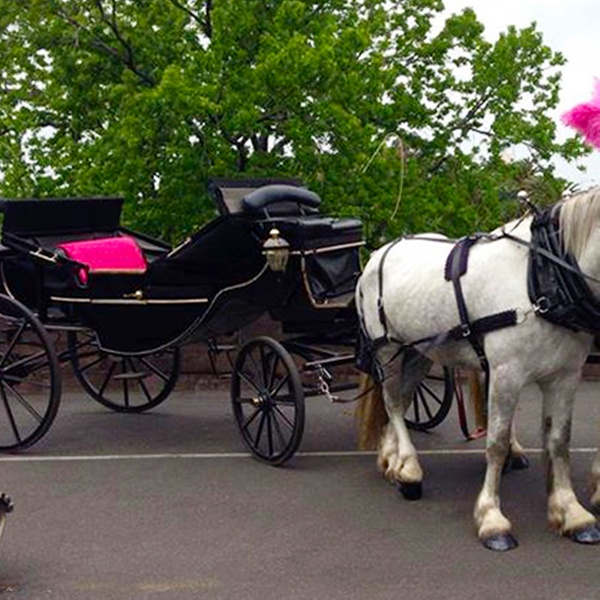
[276,251]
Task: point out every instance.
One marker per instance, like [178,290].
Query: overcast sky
[568,26]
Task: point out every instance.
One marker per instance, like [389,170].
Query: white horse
[403,297]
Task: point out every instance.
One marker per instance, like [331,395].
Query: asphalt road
[169,505]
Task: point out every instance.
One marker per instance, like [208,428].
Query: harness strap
[380,308]
[456,267]
[478,327]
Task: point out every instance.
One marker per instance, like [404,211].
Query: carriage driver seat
[281,200]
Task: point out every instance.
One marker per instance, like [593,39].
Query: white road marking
[229,455]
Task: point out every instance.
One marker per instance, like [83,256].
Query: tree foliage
[149,98]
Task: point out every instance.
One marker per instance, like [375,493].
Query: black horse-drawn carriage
[118,305]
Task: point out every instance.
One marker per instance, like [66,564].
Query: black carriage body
[214,283]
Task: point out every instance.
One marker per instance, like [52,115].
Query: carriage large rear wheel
[268,400]
[431,401]
[129,384]
[30,385]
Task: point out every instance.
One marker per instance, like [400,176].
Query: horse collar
[556,285]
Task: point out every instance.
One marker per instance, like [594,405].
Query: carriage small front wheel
[268,400]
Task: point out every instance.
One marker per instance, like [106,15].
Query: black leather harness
[558,291]
[456,266]
[557,287]
[471,331]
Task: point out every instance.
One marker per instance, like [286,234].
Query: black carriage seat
[291,196]
[276,200]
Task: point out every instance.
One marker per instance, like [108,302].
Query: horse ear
[585,118]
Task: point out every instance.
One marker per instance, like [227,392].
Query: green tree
[149,98]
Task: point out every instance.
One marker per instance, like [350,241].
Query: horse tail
[371,415]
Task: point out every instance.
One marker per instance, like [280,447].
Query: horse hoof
[6,504]
[586,535]
[515,463]
[519,463]
[500,542]
[410,491]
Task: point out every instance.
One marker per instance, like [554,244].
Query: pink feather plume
[585,118]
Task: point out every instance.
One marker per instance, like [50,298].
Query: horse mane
[578,217]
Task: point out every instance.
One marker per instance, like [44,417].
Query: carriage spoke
[108,377]
[158,372]
[249,381]
[274,391]
[421,397]
[25,404]
[270,432]
[90,365]
[261,424]
[32,362]
[256,368]
[287,400]
[125,381]
[284,417]
[9,412]
[13,343]
[277,428]
[13,379]
[145,390]
[426,389]
[250,419]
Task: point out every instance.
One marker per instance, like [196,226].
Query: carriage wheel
[268,400]
[130,384]
[30,384]
[432,401]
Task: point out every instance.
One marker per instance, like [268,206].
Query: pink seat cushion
[106,255]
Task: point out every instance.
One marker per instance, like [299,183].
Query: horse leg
[397,455]
[565,513]
[517,459]
[493,528]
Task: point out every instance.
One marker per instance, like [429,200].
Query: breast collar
[559,293]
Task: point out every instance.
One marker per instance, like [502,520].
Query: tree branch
[99,44]
[206,23]
[128,59]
